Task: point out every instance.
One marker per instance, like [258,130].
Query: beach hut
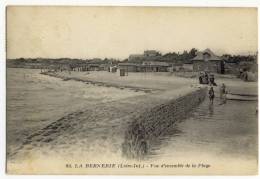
[122,72]
[155,66]
[207,61]
[129,67]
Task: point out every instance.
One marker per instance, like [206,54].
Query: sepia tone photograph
[118,90]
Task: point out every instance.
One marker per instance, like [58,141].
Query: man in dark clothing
[211,95]
[206,78]
[212,80]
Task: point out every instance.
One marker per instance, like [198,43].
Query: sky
[117,32]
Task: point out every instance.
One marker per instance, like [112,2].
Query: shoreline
[105,84]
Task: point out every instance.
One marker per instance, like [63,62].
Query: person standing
[206,78]
[211,95]
[212,80]
[222,93]
[201,78]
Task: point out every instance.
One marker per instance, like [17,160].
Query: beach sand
[96,132]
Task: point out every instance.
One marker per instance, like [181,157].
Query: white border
[4,3]
[195,3]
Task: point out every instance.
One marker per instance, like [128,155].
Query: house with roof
[155,66]
[146,66]
[93,67]
[129,67]
[207,61]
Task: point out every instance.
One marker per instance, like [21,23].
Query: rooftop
[206,55]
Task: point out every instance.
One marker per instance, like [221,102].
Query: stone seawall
[147,127]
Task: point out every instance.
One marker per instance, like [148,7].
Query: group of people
[209,79]
[205,78]
[222,94]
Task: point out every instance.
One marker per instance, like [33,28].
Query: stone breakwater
[147,127]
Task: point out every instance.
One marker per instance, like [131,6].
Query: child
[211,95]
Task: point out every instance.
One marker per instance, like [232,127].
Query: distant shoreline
[146,90]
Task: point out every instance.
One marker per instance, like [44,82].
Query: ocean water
[35,100]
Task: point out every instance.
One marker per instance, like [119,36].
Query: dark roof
[200,56]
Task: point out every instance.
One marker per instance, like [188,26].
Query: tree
[193,52]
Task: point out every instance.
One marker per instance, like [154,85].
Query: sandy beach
[96,128]
[155,81]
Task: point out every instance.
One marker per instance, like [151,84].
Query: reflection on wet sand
[217,130]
